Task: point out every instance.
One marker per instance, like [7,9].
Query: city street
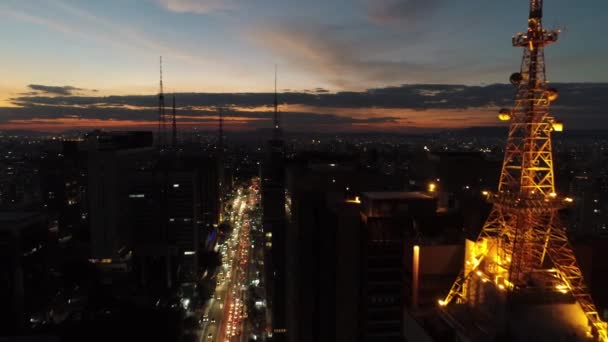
[224,316]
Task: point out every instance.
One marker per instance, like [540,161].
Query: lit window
[176,185]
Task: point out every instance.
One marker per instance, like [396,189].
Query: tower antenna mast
[523,245]
[277,127]
[221,132]
[174,130]
[161,109]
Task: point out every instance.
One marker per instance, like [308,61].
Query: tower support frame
[523,246]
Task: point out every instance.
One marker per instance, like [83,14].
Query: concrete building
[275,229]
[113,159]
[389,220]
[350,261]
[174,208]
[324,243]
[22,267]
[63,183]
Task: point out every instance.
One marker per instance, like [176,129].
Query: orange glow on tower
[523,245]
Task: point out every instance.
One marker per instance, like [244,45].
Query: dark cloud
[342,54]
[347,56]
[55,90]
[296,121]
[409,11]
[198,6]
[581,105]
[421,96]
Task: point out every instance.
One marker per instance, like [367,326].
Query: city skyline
[97,51]
[290,171]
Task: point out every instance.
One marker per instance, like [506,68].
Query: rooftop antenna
[277,128]
[174,131]
[221,132]
[538,244]
[161,108]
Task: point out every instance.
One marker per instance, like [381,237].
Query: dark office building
[389,220]
[324,240]
[113,160]
[63,183]
[275,229]
[175,207]
[23,268]
[350,262]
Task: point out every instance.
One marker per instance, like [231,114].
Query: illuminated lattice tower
[522,253]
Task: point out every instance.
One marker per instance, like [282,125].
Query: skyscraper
[113,159]
[275,226]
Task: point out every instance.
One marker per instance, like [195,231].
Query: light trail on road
[232,286]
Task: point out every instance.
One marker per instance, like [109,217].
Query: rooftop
[14,220]
[14,216]
[396,195]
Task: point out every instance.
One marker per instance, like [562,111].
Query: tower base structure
[554,320]
[521,277]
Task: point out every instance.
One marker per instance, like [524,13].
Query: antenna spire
[524,247]
[161,74]
[220,144]
[174,132]
[276,106]
[536,9]
[161,108]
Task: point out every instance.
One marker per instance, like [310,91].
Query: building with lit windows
[274,224]
[23,262]
[113,159]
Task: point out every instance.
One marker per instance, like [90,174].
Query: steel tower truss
[523,244]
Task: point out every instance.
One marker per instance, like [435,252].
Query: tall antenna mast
[523,244]
[220,145]
[161,109]
[277,128]
[174,131]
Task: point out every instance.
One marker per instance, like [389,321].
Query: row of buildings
[362,255]
[142,216]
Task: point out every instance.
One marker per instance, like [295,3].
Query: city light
[185,303]
[356,200]
[268,235]
[562,288]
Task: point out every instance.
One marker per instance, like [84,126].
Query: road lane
[224,315]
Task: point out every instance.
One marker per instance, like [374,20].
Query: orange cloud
[63,124]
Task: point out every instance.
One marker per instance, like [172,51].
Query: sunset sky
[342,63]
